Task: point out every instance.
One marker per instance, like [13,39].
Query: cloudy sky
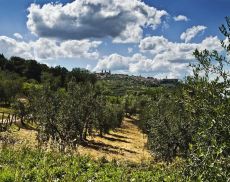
[149,37]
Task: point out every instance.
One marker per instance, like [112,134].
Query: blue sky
[130,36]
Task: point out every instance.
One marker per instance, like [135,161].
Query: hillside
[127,143]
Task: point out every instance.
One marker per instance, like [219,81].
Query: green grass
[33,165]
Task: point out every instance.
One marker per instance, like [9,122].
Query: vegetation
[18,76]
[29,165]
[166,123]
[188,125]
[67,117]
[192,122]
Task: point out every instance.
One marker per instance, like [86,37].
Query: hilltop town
[151,81]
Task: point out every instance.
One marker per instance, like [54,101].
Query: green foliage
[109,115]
[33,72]
[28,165]
[193,120]
[130,105]
[67,117]
[10,87]
[165,121]
[209,104]
[81,75]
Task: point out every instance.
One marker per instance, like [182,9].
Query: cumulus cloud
[190,33]
[113,62]
[180,18]
[167,58]
[162,48]
[140,64]
[18,36]
[11,47]
[123,20]
[49,49]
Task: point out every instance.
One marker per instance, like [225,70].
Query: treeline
[18,76]
[31,70]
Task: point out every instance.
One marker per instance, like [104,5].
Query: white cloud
[163,49]
[190,33]
[140,64]
[11,47]
[167,58]
[180,18]
[123,20]
[88,67]
[42,48]
[113,62]
[155,44]
[18,36]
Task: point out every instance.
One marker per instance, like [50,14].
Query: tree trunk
[101,133]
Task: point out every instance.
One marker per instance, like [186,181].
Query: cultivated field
[127,143]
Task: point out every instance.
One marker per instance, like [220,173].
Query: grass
[6,111]
[34,165]
[119,156]
[127,143]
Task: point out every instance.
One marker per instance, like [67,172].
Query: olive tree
[208,98]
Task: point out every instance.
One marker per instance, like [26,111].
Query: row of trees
[192,121]
[67,117]
[66,106]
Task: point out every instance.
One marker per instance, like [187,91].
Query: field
[120,155]
[127,143]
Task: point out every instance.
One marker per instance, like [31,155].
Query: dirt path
[126,143]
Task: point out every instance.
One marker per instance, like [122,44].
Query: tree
[81,75]
[109,115]
[208,99]
[166,123]
[3,61]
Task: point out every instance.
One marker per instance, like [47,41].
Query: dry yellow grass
[20,138]
[127,143]
[26,137]
[6,111]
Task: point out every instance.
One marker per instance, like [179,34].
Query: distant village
[107,75]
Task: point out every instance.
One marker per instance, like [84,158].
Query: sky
[149,37]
